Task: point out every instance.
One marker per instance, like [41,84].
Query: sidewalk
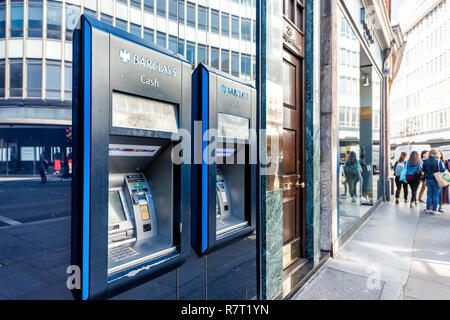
[399,253]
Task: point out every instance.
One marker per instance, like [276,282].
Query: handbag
[403,173]
[442,178]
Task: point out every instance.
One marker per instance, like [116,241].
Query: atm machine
[224,170]
[130,202]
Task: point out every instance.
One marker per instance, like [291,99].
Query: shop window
[235,64]
[190,52]
[202,54]
[148,6]
[202,18]
[235,27]
[161,8]
[215,21]
[67,81]
[16,20]
[54,14]
[34,78]
[34,20]
[161,39]
[190,14]
[215,57]
[53,81]
[72,16]
[225,24]
[225,61]
[149,35]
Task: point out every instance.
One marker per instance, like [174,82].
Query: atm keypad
[121,253]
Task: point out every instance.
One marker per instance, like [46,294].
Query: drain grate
[332,284]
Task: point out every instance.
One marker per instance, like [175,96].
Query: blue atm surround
[216,94]
[105,66]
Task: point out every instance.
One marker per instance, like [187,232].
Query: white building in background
[36,60]
[420,96]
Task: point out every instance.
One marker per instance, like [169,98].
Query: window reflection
[72,16]
[16,22]
[53,82]
[34,78]
[15,78]
[34,20]
[54,13]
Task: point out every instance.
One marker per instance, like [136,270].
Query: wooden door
[293,164]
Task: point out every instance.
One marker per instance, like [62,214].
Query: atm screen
[230,126]
[116,212]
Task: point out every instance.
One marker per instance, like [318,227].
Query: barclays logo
[124,56]
[234,92]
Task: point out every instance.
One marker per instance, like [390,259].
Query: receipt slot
[131,202]
[224,175]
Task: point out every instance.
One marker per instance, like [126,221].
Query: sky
[395,6]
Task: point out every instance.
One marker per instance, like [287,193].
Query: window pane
[135,29]
[68,81]
[161,7]
[225,61]
[190,14]
[161,39]
[72,16]
[181,46]
[2,21]
[34,20]
[54,14]
[225,24]
[245,66]
[148,5]
[135,3]
[149,35]
[2,78]
[15,78]
[53,81]
[34,78]
[173,9]
[202,54]
[121,24]
[235,27]
[245,29]
[202,18]
[190,52]
[16,24]
[215,57]
[235,64]
[214,21]
[173,43]
[181,11]
[107,19]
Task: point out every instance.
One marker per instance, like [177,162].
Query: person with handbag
[431,166]
[423,183]
[413,174]
[398,168]
[444,194]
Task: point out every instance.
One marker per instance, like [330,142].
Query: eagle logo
[124,55]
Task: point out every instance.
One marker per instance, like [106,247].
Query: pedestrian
[423,184]
[430,166]
[413,175]
[352,171]
[444,194]
[398,167]
[42,164]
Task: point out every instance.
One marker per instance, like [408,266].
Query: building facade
[423,81]
[36,61]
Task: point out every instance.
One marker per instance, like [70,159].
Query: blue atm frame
[93,87]
[214,92]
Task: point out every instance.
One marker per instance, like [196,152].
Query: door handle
[299,184]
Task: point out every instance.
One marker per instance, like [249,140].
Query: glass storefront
[359,109]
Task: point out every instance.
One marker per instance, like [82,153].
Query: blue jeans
[433,194]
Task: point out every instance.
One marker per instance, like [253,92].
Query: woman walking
[430,167]
[413,174]
[444,195]
[398,167]
[423,183]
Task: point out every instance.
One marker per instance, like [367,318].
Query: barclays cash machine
[224,169]
[131,202]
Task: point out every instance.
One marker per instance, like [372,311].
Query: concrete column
[328,127]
